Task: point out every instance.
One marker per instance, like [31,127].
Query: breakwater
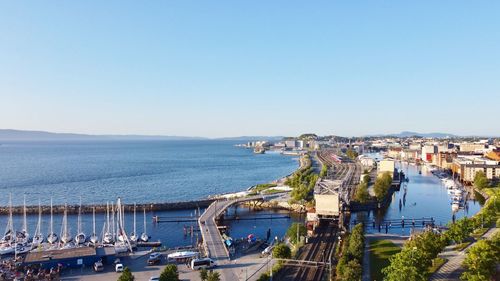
[101,208]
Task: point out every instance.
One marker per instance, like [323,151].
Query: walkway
[452,269]
[212,239]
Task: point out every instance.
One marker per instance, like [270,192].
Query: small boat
[80,237]
[7,249]
[183,255]
[38,236]
[144,235]
[23,235]
[94,239]
[52,237]
[107,238]
[133,236]
[9,233]
[65,235]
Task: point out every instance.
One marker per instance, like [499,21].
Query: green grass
[461,246]
[380,252]
[263,186]
[272,191]
[479,232]
[436,264]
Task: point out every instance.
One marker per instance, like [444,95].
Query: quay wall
[101,208]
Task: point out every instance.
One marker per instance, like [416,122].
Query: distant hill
[253,138]
[22,135]
[406,134]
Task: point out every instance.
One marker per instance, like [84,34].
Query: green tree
[366,178]
[430,243]
[351,153]
[382,185]
[362,195]
[410,263]
[353,271]
[356,245]
[203,274]
[460,230]
[291,233]
[169,273]
[126,275]
[213,276]
[282,251]
[324,171]
[480,180]
[481,260]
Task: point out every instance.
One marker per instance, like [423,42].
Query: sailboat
[133,236]
[9,230]
[52,237]
[93,237]
[23,236]
[65,235]
[122,245]
[144,235]
[6,246]
[108,236]
[38,236]
[80,236]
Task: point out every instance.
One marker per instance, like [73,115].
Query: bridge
[212,239]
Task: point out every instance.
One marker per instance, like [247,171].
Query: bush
[213,276]
[481,259]
[169,273]
[460,230]
[480,180]
[126,275]
[349,265]
[410,263]
[282,251]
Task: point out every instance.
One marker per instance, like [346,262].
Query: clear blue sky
[229,68]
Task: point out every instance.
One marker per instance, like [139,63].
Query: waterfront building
[427,152]
[467,167]
[290,143]
[366,161]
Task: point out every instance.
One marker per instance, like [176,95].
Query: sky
[233,68]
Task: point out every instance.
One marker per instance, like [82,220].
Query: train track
[319,249]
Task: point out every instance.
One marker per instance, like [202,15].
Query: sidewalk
[452,269]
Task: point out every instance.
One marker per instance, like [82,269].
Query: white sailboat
[23,235]
[65,235]
[144,235]
[133,236]
[93,237]
[7,244]
[80,236]
[123,244]
[52,237]
[38,236]
[107,238]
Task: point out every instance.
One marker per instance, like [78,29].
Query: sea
[140,172]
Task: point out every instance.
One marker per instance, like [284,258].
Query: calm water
[145,171]
[426,197]
[140,171]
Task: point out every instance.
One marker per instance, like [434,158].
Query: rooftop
[41,256]
[326,187]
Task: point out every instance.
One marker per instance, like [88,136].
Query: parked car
[154,278]
[154,258]
[119,267]
[98,266]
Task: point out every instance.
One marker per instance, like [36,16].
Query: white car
[119,267]
[154,278]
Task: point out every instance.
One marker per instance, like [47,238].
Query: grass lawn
[380,252]
[479,232]
[461,246]
[436,264]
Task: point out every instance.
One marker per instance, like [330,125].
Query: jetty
[101,208]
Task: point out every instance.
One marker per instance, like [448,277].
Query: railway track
[319,249]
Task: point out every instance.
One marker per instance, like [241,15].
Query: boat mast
[79,223]
[51,218]
[39,224]
[107,217]
[113,220]
[145,221]
[93,221]
[25,223]
[135,231]
[9,230]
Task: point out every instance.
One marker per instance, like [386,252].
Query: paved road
[452,269]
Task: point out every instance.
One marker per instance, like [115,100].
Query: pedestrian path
[452,269]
